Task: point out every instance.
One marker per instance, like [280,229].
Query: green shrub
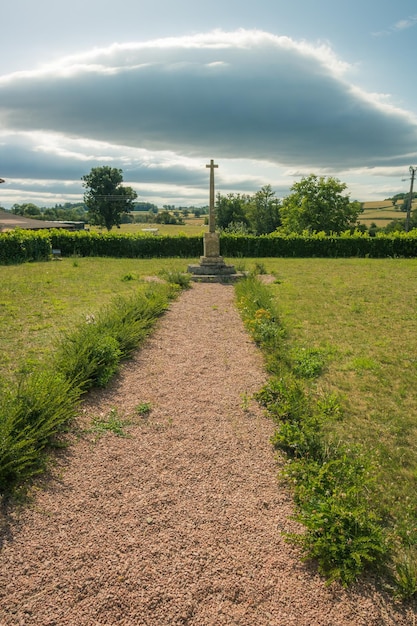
[179,279]
[90,355]
[307,362]
[90,243]
[30,417]
[19,246]
[332,484]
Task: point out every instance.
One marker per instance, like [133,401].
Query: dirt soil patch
[180,522]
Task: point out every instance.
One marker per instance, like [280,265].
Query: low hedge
[20,246]
[87,243]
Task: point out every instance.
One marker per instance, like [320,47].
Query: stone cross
[212,221]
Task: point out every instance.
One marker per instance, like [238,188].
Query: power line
[410,198]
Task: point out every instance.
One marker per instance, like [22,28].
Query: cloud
[268,108]
[246,93]
[409,22]
[399,26]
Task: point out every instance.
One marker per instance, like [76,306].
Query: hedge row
[86,243]
[21,246]
[18,246]
[319,246]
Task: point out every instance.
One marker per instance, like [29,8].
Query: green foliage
[331,483]
[405,575]
[90,356]
[259,268]
[258,213]
[107,200]
[143,409]
[27,209]
[117,245]
[179,279]
[66,212]
[231,209]
[128,277]
[110,423]
[264,211]
[20,246]
[253,296]
[165,217]
[236,228]
[308,245]
[307,362]
[343,534]
[31,414]
[261,318]
[317,205]
[35,410]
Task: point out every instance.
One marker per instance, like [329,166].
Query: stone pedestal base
[211,245]
[212,268]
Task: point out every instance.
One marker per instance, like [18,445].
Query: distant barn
[10,221]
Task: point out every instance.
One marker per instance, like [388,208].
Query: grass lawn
[41,300]
[362,314]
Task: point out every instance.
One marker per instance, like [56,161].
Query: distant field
[382,212]
[192,226]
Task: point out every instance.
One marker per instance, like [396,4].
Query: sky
[271,90]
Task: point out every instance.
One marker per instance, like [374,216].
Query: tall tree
[106,199]
[318,204]
[231,209]
[264,211]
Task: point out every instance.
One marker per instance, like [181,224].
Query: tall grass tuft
[31,415]
[90,356]
[36,409]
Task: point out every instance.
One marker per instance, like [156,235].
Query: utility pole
[410,198]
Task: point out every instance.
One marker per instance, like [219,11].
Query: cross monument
[211,239]
[212,219]
[212,267]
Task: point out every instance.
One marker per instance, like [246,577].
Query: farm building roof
[10,221]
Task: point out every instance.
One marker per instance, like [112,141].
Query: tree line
[315,204]
[68,212]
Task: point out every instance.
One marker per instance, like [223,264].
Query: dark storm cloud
[239,95]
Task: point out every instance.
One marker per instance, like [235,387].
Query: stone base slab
[220,269]
[217,278]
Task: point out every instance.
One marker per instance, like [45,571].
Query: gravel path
[179,523]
